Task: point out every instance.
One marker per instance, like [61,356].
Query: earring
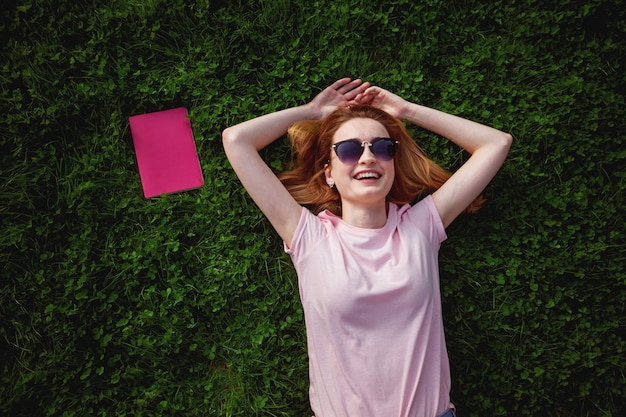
[330,183]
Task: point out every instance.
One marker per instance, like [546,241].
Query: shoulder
[311,228]
[425,217]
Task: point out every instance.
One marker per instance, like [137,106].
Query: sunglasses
[350,151]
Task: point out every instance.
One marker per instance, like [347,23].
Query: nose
[367,157]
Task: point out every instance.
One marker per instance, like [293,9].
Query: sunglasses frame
[385,157]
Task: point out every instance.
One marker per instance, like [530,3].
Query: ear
[329,177]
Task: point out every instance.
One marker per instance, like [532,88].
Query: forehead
[360,128]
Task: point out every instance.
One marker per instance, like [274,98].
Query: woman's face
[368,180]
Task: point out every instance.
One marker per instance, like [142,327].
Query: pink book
[166,152]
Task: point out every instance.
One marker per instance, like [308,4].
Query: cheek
[340,174]
[391,175]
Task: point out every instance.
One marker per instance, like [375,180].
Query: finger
[349,86]
[363,98]
[340,83]
[359,89]
[372,90]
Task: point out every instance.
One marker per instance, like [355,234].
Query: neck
[366,217]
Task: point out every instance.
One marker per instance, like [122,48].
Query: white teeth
[364,175]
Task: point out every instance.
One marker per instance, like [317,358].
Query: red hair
[416,174]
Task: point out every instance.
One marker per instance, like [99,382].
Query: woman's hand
[384,100]
[339,94]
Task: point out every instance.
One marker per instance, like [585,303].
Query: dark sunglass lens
[348,151]
[384,149]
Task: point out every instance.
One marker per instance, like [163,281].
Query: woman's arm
[488,147]
[243,142]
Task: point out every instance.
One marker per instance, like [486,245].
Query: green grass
[186,305]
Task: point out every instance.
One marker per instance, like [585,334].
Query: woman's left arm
[488,148]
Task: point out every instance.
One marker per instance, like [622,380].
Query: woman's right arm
[243,142]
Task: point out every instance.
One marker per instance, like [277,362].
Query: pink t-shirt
[372,310]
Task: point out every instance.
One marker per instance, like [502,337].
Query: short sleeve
[424,215]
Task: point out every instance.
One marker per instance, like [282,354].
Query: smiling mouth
[367,176]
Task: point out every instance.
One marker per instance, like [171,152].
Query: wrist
[311,112]
[412,112]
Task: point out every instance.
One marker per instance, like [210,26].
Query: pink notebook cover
[166,152]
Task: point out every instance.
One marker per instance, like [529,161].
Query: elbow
[505,145]
[226,134]
[228,137]
[499,145]
[506,140]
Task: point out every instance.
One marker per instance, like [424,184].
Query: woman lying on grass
[363,214]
